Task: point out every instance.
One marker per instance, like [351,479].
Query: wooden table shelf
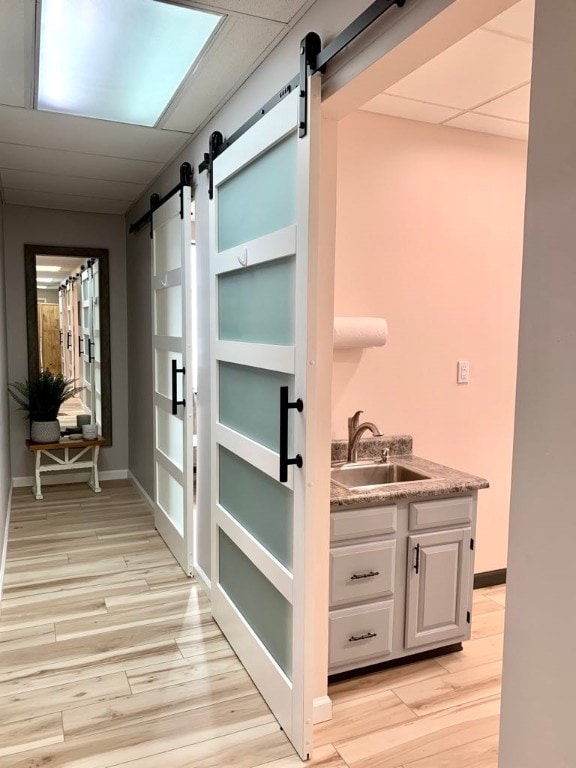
[75,461]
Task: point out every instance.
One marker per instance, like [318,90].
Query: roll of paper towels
[354,332]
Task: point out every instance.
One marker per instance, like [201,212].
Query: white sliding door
[63,337]
[173,390]
[262,263]
[84,341]
[95,345]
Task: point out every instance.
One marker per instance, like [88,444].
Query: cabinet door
[438,588]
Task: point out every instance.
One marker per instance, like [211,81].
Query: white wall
[539,662]
[429,236]
[5,474]
[51,227]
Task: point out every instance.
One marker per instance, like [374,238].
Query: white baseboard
[322,709]
[140,488]
[70,477]
[203,580]
[5,543]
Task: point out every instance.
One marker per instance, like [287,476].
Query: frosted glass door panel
[170,496]
[264,608]
[169,311]
[260,504]
[170,437]
[164,370]
[250,401]
[167,254]
[260,198]
[256,304]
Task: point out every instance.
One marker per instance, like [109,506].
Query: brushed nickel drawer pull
[366,636]
[366,575]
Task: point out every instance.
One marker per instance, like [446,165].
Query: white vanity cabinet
[400,580]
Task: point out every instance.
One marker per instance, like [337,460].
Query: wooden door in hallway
[49,336]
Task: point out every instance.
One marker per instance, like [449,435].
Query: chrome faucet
[355,430]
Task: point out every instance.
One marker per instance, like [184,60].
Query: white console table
[84,456]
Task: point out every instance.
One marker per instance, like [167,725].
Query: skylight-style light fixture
[120,60]
[46,268]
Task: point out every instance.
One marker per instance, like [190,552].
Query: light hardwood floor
[109,657]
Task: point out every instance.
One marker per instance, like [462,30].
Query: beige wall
[539,681]
[140,422]
[4,420]
[429,236]
[50,227]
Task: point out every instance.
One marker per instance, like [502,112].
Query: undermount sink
[367,475]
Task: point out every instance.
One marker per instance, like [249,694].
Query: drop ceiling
[53,160]
[482,83]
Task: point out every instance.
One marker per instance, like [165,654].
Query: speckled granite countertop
[443,480]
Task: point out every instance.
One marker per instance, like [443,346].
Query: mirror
[68,317]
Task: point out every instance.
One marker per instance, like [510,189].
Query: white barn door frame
[258,345]
[173,336]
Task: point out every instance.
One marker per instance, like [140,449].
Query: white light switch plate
[463,371]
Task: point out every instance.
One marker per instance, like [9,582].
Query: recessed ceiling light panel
[46,268]
[120,60]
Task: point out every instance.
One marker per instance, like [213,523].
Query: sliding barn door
[262,559]
[85,339]
[62,315]
[95,345]
[173,390]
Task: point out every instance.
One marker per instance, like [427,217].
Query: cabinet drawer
[362,572]
[360,632]
[437,514]
[360,523]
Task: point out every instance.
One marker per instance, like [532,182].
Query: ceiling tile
[277,10]
[512,106]
[84,134]
[17,52]
[59,161]
[396,106]
[517,21]
[71,185]
[223,68]
[476,69]
[63,202]
[472,121]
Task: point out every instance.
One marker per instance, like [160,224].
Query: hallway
[108,653]
[109,657]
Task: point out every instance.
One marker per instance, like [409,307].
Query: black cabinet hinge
[468,617]
[471,543]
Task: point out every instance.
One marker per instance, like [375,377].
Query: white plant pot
[45,431]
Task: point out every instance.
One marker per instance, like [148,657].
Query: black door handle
[80,351]
[68,339]
[285,406]
[90,355]
[417,563]
[175,401]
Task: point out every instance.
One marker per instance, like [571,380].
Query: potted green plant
[41,397]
